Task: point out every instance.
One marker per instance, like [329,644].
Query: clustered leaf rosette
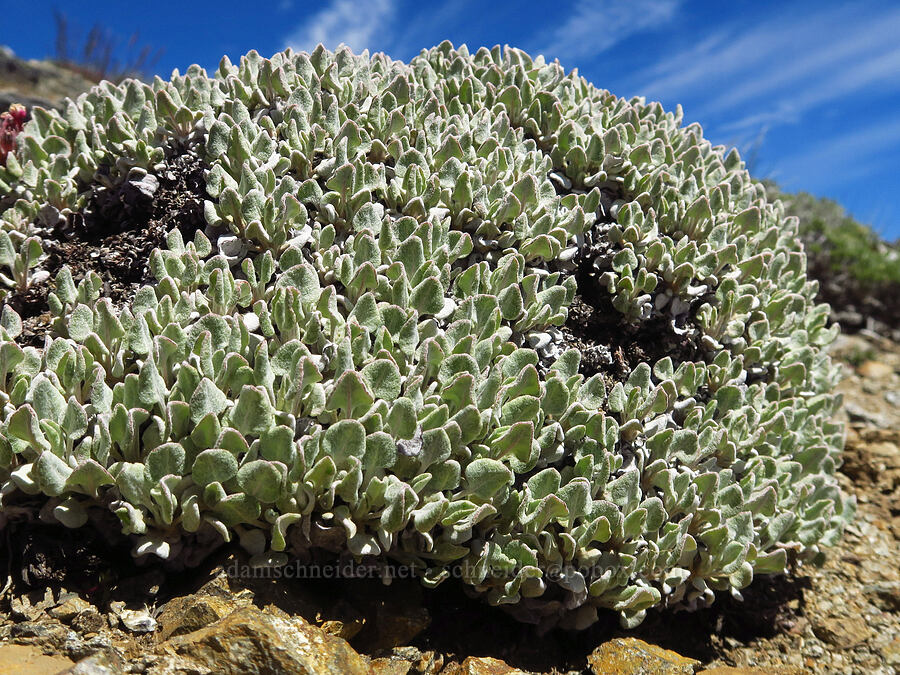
[365,350]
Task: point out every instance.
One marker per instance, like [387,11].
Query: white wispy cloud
[757,119]
[847,54]
[782,67]
[355,24]
[844,158]
[594,27]
[422,30]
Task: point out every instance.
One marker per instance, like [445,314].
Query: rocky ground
[83,606]
[42,83]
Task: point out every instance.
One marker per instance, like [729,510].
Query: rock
[21,608]
[397,628]
[29,659]
[483,665]
[69,608]
[885,456]
[102,663]
[842,632]
[409,661]
[77,649]
[885,596]
[427,663]
[850,318]
[50,633]
[252,642]
[343,629]
[193,612]
[232,247]
[39,277]
[142,188]
[388,666]
[858,462]
[630,656]
[137,621]
[89,621]
[859,414]
[731,670]
[42,83]
[891,653]
[875,369]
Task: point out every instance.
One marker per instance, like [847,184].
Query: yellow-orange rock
[630,656]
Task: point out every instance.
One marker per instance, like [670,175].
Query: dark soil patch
[613,346]
[114,237]
[463,626]
[771,605]
[30,303]
[88,560]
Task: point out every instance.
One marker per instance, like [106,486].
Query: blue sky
[809,90]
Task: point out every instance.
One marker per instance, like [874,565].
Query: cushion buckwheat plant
[469,314]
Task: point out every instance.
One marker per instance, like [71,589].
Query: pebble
[69,609]
[89,621]
[231,246]
[843,632]
[137,621]
[627,656]
[875,369]
[251,321]
[538,340]
[892,397]
[40,277]
[146,186]
[411,447]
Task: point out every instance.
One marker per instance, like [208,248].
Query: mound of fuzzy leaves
[366,350]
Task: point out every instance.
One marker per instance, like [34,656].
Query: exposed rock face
[34,83]
[251,641]
[483,665]
[630,656]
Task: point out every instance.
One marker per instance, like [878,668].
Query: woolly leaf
[214,466]
[350,395]
[253,414]
[486,477]
[51,473]
[164,460]
[207,399]
[260,479]
[382,377]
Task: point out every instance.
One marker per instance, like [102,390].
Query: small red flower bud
[11,124]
